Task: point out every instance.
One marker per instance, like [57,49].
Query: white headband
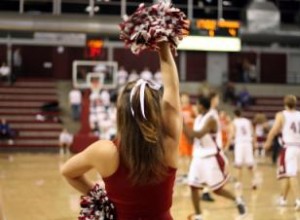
[141,84]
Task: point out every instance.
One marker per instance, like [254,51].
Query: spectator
[248,72]
[52,106]
[244,98]
[122,76]
[96,112]
[146,74]
[17,64]
[65,142]
[229,93]
[205,89]
[133,76]
[5,71]
[105,98]
[75,102]
[158,77]
[245,69]
[252,73]
[6,133]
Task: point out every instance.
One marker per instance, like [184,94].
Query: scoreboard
[213,35]
[216,28]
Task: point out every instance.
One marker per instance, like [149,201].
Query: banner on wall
[61,38]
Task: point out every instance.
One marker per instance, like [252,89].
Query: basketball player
[259,122]
[139,169]
[65,141]
[214,103]
[288,123]
[243,134]
[208,166]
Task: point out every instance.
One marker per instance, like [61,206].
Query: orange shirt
[185,147]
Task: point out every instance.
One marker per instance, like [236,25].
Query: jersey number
[294,127]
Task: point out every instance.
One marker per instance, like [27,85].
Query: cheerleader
[139,168]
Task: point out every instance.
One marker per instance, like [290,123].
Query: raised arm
[274,130]
[171,99]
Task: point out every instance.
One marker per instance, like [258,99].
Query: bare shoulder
[104,156]
[103,148]
[279,116]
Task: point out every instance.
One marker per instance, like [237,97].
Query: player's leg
[196,179]
[294,182]
[250,162]
[218,178]
[286,170]
[235,198]
[195,201]
[238,163]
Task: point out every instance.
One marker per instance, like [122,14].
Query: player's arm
[172,118]
[277,126]
[254,137]
[210,126]
[101,155]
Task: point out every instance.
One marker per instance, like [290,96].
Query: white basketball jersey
[215,114]
[291,128]
[243,131]
[259,130]
[205,146]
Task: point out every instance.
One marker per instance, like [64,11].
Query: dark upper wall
[273,67]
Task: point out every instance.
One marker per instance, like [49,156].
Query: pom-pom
[148,26]
[96,206]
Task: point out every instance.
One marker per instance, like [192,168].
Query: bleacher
[267,105]
[20,104]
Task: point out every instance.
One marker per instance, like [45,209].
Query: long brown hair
[140,139]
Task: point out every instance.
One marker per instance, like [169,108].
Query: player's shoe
[241,209]
[196,217]
[240,204]
[297,205]
[254,186]
[282,202]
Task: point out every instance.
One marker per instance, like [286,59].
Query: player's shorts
[288,162]
[260,139]
[208,171]
[243,155]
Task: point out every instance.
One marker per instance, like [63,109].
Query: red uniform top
[140,202]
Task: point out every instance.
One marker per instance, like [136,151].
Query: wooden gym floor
[32,189]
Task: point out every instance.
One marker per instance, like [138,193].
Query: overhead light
[89,8]
[227,3]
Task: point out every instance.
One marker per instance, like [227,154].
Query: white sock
[239,200]
[197,217]
[281,198]
[205,190]
[238,185]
